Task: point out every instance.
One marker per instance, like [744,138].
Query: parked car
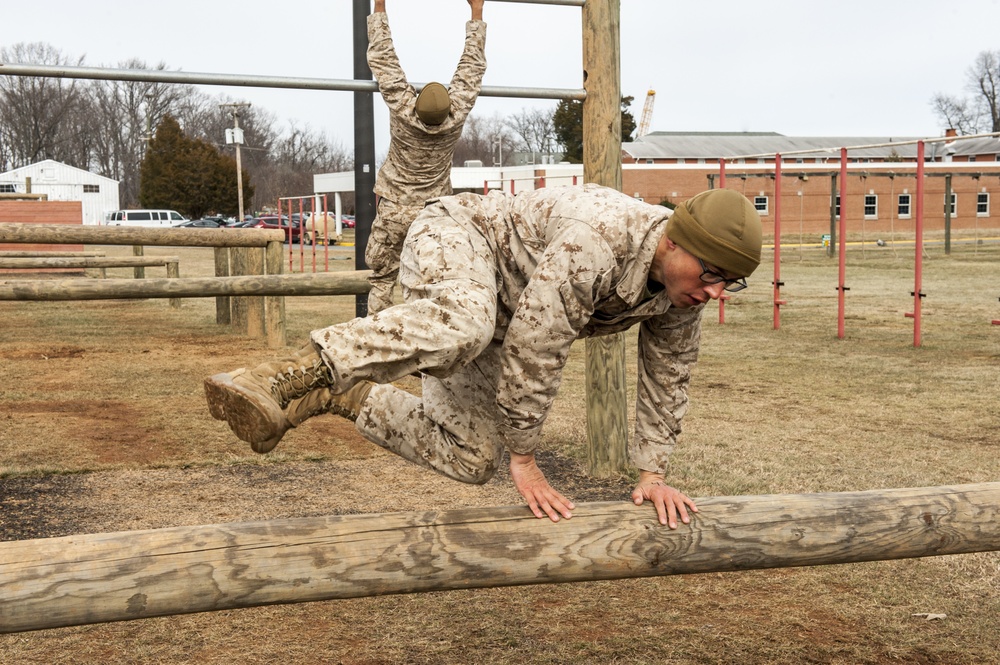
[282,224]
[202,224]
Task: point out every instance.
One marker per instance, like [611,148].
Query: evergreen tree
[568,121]
[188,175]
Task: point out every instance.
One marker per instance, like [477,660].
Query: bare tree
[534,130]
[980,112]
[125,113]
[36,113]
[486,139]
[984,84]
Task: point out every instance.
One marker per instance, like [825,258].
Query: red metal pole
[326,234]
[842,287]
[486,187]
[777,241]
[918,266]
[291,255]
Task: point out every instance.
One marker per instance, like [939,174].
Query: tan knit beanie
[433,104]
[720,227]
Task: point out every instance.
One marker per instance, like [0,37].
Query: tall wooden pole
[607,409]
[74,580]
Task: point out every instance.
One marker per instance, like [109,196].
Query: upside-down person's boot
[255,402]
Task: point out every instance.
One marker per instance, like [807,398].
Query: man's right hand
[379,7]
[531,483]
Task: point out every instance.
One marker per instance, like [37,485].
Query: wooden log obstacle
[94,578]
[237,252]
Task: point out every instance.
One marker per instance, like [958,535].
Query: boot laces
[297,381]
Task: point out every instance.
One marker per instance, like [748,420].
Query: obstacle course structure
[74,580]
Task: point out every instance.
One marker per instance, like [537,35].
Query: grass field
[103,428]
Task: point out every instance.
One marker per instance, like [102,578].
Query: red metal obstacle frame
[842,288]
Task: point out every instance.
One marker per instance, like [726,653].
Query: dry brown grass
[103,428]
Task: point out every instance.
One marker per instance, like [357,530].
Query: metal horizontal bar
[254,81]
[893,144]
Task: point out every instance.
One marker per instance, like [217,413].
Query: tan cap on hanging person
[433,104]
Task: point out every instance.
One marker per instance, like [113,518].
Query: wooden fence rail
[237,252]
[93,578]
[85,262]
[51,234]
[28,254]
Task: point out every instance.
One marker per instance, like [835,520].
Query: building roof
[714,145]
[32,169]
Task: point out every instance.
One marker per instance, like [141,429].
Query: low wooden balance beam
[75,580]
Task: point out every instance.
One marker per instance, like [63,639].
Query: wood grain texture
[73,580]
[318,284]
[607,407]
[86,262]
[49,234]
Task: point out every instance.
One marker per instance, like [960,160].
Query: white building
[62,182]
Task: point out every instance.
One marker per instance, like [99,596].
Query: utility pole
[235,136]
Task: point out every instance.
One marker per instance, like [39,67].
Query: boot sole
[259,422]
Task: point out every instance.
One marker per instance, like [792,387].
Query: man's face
[683,283]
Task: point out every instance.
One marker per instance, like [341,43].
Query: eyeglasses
[712,277]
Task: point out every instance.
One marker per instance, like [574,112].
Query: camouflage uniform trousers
[444,329]
[384,247]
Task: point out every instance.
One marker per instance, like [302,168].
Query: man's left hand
[669,502]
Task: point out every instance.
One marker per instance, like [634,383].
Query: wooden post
[255,304]
[85,579]
[238,305]
[607,408]
[222,316]
[274,306]
[174,272]
[138,272]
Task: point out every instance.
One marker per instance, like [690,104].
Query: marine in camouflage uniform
[418,166]
[497,288]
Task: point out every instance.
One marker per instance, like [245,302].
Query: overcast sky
[800,68]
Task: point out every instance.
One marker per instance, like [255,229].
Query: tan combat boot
[253,401]
[318,401]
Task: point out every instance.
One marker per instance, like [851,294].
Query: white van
[148,218]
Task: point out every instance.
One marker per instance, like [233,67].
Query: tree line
[113,129]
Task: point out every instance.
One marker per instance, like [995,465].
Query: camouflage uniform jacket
[571,263]
[418,166]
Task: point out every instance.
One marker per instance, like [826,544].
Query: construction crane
[647,114]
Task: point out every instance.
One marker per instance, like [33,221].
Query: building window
[871,206]
[650,161]
[760,203]
[983,204]
[972,158]
[91,189]
[903,208]
[7,189]
[836,205]
[954,205]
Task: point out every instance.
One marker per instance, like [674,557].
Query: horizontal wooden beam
[74,580]
[85,262]
[305,284]
[28,254]
[61,234]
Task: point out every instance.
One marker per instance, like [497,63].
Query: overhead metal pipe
[257,81]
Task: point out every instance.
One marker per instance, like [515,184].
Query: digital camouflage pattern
[496,289]
[418,166]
